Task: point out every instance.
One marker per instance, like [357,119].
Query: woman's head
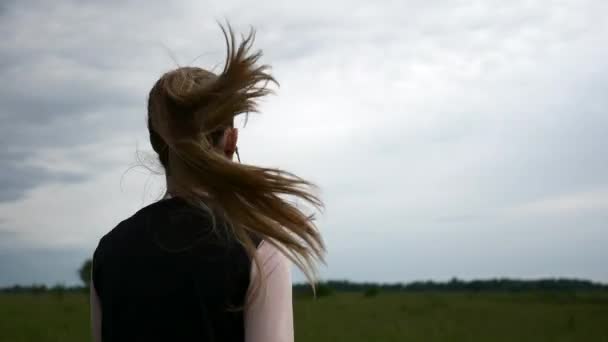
[168,120]
[191,124]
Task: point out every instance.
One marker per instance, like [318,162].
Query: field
[352,317]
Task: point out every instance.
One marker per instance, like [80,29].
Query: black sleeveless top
[165,274]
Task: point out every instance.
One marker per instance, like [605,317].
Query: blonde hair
[186,108]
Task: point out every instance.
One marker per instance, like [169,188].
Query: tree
[323,290]
[372,291]
[85,272]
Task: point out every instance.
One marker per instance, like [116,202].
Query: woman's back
[173,271]
[166,274]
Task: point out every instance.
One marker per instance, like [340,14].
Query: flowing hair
[187,107]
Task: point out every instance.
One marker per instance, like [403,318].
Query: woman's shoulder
[144,217]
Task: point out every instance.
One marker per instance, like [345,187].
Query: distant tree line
[457,285]
[84,273]
[42,288]
[371,289]
[327,287]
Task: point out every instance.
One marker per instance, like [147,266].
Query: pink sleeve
[269,315]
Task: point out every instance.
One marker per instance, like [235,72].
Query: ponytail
[185,107]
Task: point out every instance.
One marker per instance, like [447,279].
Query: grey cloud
[456,218]
[15,180]
[6,234]
[514,96]
[28,265]
[6,5]
[40,101]
[60,94]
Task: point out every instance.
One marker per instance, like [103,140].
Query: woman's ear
[231,136]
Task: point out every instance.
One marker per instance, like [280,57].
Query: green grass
[353,317]
[44,317]
[454,317]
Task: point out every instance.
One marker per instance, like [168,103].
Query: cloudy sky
[449,138]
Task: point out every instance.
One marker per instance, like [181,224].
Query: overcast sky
[449,138]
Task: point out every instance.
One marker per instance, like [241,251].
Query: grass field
[352,317]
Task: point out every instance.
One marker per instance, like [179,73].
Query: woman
[209,261]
